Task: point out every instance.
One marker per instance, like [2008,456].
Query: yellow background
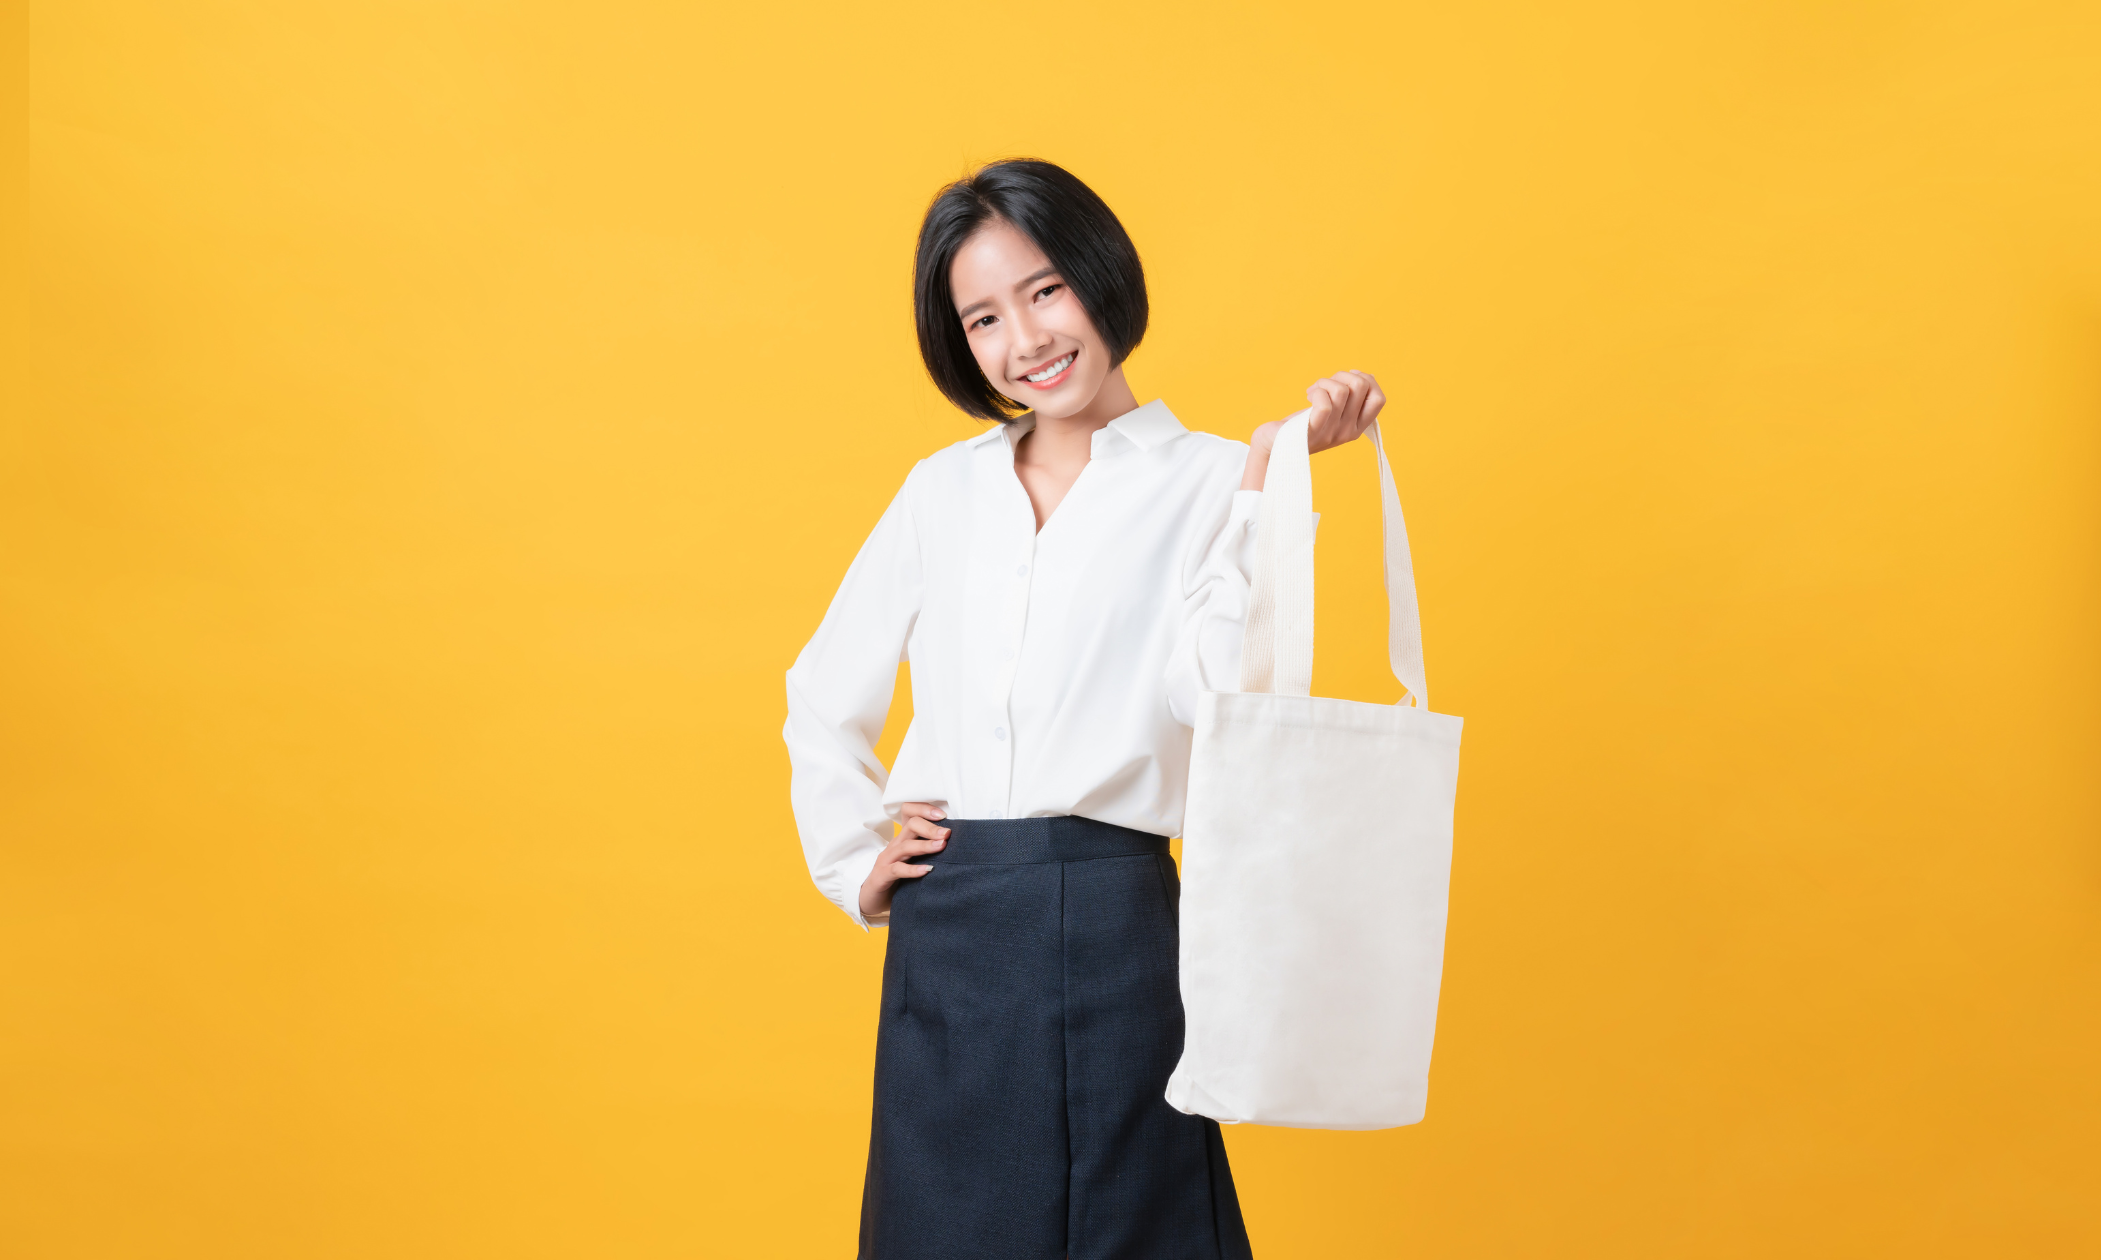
[430,430]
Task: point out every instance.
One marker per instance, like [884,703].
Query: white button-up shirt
[1052,673]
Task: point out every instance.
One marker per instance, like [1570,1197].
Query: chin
[1069,401]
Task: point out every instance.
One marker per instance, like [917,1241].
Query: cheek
[1072,322]
[990,351]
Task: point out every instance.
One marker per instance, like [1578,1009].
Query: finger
[920,809]
[905,870]
[1374,403]
[1365,384]
[1322,395]
[909,846]
[1355,385]
[1347,397]
[925,828]
[1322,431]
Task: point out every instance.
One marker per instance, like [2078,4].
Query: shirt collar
[1013,430]
[1150,426]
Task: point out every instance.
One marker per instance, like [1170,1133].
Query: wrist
[1258,448]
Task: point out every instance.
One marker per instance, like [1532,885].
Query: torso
[1051,602]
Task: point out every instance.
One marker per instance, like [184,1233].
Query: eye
[981,321]
[1046,290]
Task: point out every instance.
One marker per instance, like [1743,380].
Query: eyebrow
[1025,282]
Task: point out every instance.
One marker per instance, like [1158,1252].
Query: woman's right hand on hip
[919,831]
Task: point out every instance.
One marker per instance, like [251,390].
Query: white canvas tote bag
[1316,855]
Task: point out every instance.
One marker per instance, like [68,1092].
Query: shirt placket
[1013,624]
[1002,560]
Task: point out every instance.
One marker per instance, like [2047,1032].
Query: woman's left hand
[1344,405]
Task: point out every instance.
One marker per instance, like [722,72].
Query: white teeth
[1052,370]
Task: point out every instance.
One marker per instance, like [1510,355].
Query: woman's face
[1029,333]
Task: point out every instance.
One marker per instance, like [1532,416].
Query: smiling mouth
[1052,373]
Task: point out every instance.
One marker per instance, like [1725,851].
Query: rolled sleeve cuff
[854,872]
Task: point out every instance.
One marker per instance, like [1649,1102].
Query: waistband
[1019,841]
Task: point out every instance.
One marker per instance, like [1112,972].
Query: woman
[1064,586]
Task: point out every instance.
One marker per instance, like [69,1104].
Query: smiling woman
[1035,335]
[1018,225]
[1065,586]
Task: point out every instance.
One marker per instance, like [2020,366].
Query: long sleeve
[1214,608]
[838,698]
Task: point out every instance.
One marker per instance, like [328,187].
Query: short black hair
[1075,229]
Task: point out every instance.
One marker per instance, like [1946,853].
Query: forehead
[996,258]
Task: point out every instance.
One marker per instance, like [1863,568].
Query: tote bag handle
[1277,655]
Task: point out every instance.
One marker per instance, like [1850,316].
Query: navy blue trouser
[1031,1016]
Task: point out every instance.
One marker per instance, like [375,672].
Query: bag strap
[1277,655]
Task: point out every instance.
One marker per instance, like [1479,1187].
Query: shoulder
[1206,458]
[943,468]
[944,476]
[957,459]
[1211,448]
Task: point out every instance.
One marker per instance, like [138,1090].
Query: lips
[1052,374]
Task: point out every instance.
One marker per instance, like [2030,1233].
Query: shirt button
[999,732]
[1023,571]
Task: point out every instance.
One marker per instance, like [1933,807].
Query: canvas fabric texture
[1316,855]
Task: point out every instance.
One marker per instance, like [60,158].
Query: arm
[1219,564]
[838,698]
[1215,586]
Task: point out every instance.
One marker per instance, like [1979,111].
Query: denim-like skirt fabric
[1030,1020]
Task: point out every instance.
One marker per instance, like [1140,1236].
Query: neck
[1075,433]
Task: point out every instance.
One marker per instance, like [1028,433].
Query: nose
[1031,339]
